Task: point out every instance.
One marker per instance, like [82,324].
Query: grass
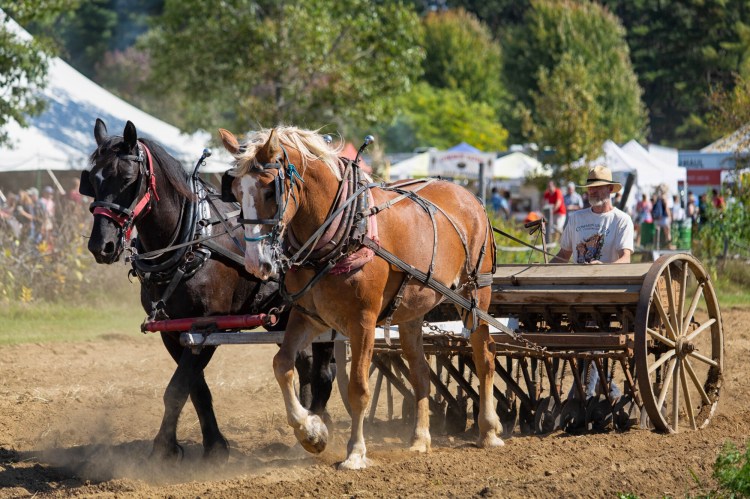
[70,322]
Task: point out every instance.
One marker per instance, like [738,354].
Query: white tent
[669,173]
[516,165]
[414,167]
[62,137]
[649,170]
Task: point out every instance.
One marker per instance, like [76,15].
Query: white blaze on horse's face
[259,259]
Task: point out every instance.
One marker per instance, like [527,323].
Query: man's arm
[562,256]
[624,256]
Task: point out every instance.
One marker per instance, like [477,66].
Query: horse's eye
[269,195]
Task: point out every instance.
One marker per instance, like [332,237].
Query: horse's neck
[160,226]
[318,195]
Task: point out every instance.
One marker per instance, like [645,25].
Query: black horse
[184,272]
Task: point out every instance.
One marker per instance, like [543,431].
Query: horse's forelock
[309,143]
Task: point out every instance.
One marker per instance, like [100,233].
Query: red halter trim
[141,208]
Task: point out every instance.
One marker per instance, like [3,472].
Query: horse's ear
[230,142]
[271,148]
[130,134]
[100,132]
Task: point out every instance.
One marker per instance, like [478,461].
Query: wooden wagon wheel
[679,345]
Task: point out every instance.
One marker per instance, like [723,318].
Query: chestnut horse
[135,183]
[438,227]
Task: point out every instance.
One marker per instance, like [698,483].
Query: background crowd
[30,218]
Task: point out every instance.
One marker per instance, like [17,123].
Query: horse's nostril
[109,248]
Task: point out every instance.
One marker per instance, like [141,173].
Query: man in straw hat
[601,233]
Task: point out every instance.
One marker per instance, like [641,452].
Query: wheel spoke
[702,328]
[688,399]
[670,297]
[661,338]
[687,318]
[668,355]
[663,316]
[665,385]
[681,299]
[703,358]
[676,400]
[689,368]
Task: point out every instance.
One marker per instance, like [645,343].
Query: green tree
[239,63]
[23,62]
[591,40]
[460,54]
[442,118]
[568,113]
[680,50]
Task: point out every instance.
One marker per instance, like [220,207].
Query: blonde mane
[309,144]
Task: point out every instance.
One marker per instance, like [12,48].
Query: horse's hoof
[313,435]
[421,443]
[167,453]
[217,453]
[490,440]
[355,462]
[420,447]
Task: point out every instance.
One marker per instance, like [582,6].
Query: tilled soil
[78,420]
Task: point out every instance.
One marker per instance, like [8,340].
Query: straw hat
[601,175]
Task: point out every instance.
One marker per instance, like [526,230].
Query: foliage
[460,54]
[442,118]
[680,50]
[732,470]
[584,37]
[496,14]
[510,251]
[23,65]
[309,63]
[568,113]
[51,270]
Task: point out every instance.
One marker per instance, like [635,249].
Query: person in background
[717,199]
[678,212]
[662,218]
[642,215]
[8,215]
[25,214]
[48,213]
[573,200]
[554,197]
[691,210]
[499,204]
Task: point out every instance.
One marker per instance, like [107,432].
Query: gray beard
[596,203]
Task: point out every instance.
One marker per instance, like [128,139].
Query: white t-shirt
[597,236]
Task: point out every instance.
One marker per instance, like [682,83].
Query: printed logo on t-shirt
[590,249]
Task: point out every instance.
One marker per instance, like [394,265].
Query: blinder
[226,188]
[85,188]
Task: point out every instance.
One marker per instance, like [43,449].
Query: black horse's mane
[172,170]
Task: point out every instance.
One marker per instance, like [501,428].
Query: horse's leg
[483,352]
[410,336]
[323,374]
[362,342]
[309,429]
[304,363]
[187,380]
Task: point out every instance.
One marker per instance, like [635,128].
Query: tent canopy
[464,147]
[414,167]
[650,170]
[62,137]
[516,165]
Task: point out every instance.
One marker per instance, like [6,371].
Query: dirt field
[78,419]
